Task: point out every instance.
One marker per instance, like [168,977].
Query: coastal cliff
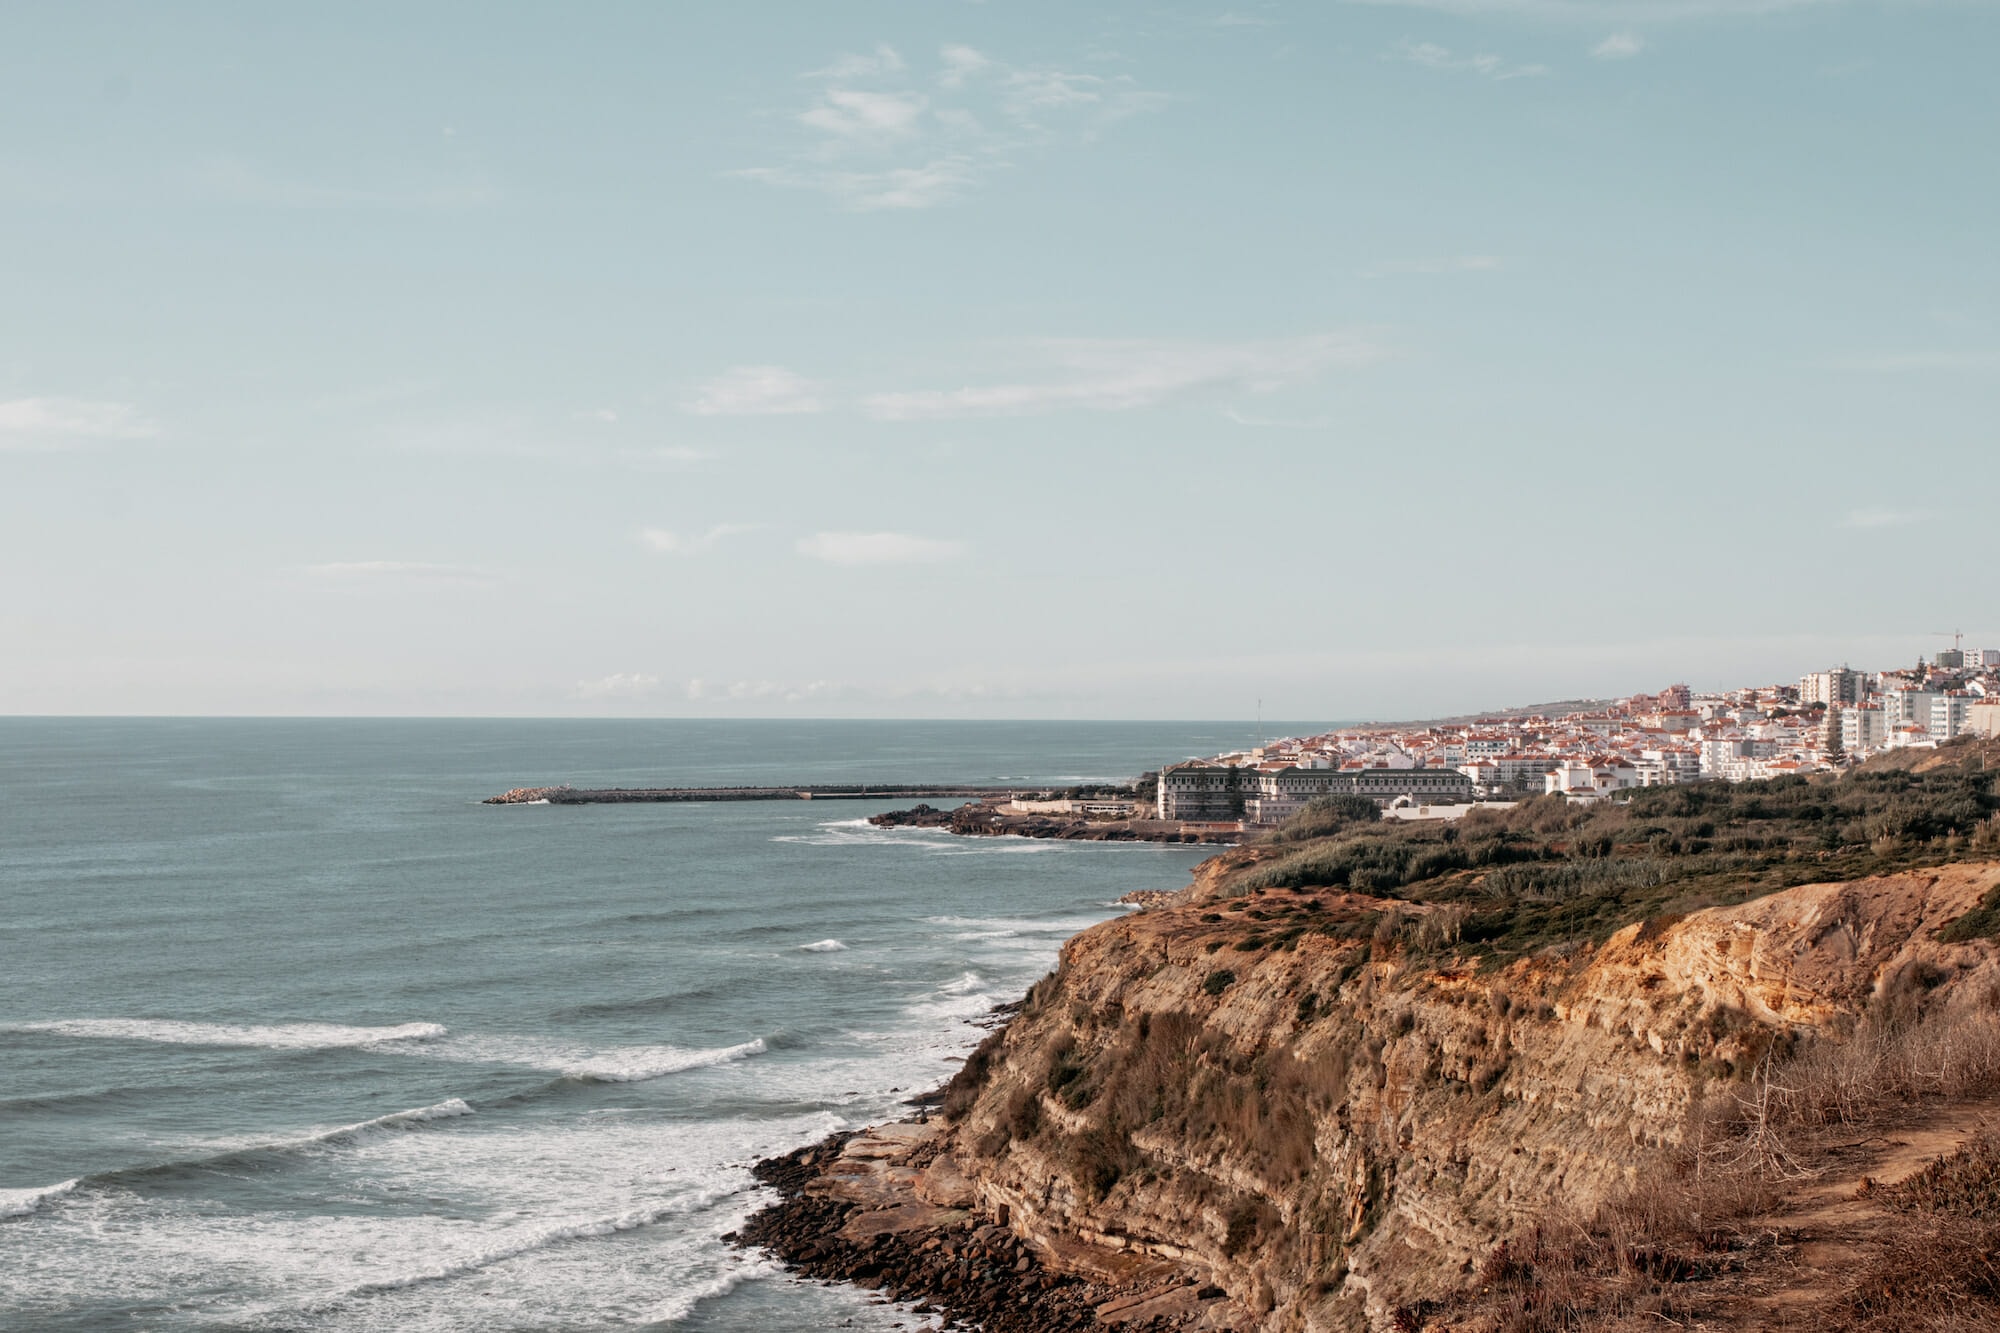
[1724,1055]
[1294,1109]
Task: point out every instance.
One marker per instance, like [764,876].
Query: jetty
[851,791]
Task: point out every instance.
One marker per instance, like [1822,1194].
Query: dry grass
[1942,1272]
[1748,1146]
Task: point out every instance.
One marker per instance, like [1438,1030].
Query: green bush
[1324,816]
[1549,870]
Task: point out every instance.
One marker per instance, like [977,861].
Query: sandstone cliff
[1300,1110]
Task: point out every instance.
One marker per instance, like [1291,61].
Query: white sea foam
[618,1064]
[525,1239]
[20,1203]
[936,842]
[449,1109]
[823,946]
[1017,925]
[1001,845]
[639,1063]
[953,1002]
[396,1120]
[275,1036]
[601,1223]
[680,1304]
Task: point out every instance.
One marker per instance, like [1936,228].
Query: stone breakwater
[864,791]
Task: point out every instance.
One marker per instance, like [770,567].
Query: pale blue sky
[995,359]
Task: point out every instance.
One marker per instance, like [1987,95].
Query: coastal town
[1824,722]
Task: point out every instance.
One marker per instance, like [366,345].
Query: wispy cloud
[402,571]
[1895,363]
[850,113]
[878,548]
[1109,375]
[1032,96]
[673,543]
[1619,46]
[1435,264]
[960,65]
[753,391]
[760,691]
[58,423]
[880,135]
[618,685]
[1432,56]
[1881,518]
[940,181]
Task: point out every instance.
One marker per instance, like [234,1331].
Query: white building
[1591,780]
[1270,793]
[1951,714]
[1661,768]
[1862,729]
[1836,686]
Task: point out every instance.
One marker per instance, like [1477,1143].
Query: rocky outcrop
[1306,1108]
[860,1208]
[527,795]
[990,819]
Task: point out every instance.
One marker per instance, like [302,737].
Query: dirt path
[1832,1226]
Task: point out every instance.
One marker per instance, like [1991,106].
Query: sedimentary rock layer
[1301,1111]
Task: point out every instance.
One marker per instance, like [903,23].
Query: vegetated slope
[1548,871]
[1334,1077]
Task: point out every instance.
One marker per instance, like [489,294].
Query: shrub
[964,1088]
[1324,816]
[1218,981]
[1982,922]
[1547,871]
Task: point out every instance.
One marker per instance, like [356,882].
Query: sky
[1345,359]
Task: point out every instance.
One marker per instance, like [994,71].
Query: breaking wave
[537,1238]
[20,1203]
[449,1109]
[823,946]
[628,1064]
[274,1036]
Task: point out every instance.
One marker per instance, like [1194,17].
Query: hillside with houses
[1826,722]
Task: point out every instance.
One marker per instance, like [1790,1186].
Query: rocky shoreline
[850,1210]
[988,819]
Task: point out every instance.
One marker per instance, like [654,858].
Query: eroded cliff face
[1302,1098]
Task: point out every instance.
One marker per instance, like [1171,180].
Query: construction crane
[1957,637]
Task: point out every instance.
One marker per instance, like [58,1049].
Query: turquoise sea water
[295,1034]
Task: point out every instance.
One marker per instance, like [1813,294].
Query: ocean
[296,1034]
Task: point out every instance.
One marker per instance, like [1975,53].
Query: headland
[1722,1056]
